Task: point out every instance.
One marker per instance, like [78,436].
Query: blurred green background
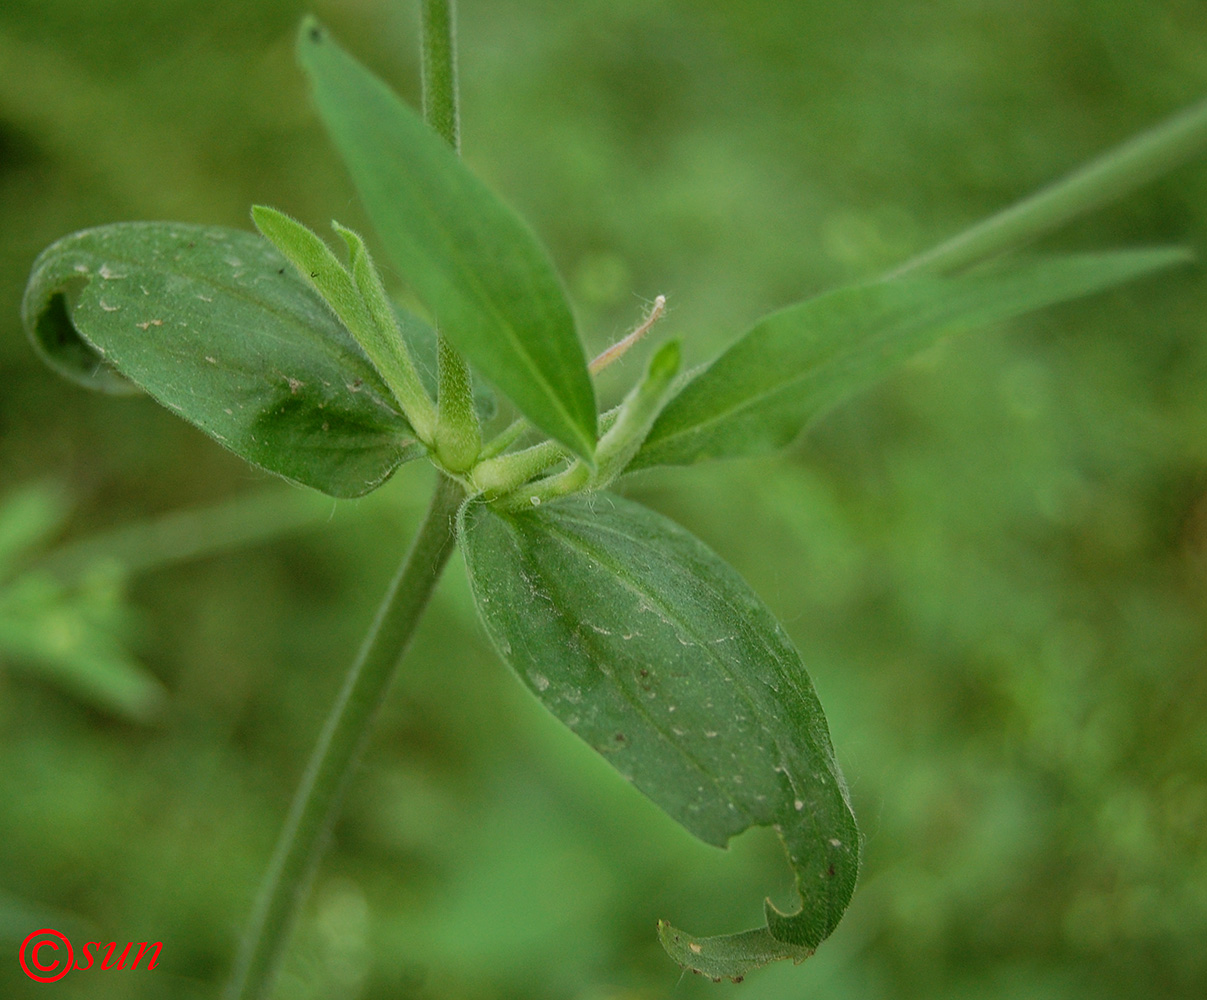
[994,564]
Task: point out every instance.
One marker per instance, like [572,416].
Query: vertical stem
[458,437]
[317,800]
[440,108]
[1112,175]
[458,433]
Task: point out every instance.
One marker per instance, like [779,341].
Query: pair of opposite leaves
[626,627]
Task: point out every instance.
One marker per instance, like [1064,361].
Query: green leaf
[473,263]
[761,392]
[317,266]
[217,326]
[387,348]
[659,656]
[72,638]
[358,300]
[29,516]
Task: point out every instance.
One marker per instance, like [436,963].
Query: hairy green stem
[440,108]
[504,473]
[457,434]
[1112,175]
[317,801]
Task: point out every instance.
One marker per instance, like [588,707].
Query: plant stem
[317,801]
[505,472]
[505,438]
[1112,175]
[440,108]
[458,434]
[458,439]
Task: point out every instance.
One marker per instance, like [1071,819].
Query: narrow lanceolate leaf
[317,266]
[659,656]
[473,263]
[761,392]
[217,326]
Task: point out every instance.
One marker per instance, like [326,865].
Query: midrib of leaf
[576,543]
[481,293]
[772,653]
[637,704]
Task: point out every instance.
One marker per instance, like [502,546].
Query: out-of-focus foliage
[994,565]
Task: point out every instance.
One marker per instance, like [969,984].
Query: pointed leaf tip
[794,364]
[475,265]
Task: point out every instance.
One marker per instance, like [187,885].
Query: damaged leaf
[657,654]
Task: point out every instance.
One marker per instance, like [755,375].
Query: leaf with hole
[657,654]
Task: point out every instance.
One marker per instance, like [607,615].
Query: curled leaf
[218,327]
[657,654]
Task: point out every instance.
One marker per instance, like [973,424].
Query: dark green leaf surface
[220,329]
[658,655]
[473,263]
[761,392]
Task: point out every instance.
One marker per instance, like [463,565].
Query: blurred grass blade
[658,655]
[71,638]
[187,534]
[29,516]
[761,392]
[474,264]
[217,326]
